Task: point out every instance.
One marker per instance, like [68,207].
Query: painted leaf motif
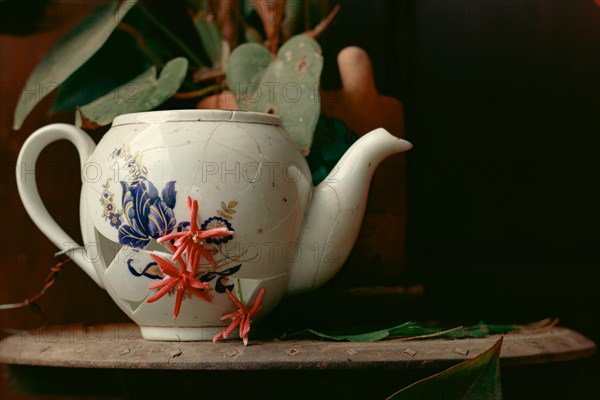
[287,86]
[70,53]
[169,194]
[143,93]
[207,277]
[230,271]
[129,237]
[222,287]
[148,216]
[161,219]
[478,378]
[139,197]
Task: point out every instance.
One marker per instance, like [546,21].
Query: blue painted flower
[217,222]
[115,219]
[149,216]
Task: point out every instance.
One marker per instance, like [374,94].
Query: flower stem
[240,294]
[171,36]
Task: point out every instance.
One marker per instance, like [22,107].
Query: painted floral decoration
[240,318]
[192,269]
[217,222]
[149,215]
[151,270]
[109,211]
[222,278]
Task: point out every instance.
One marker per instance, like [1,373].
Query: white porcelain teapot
[193,214]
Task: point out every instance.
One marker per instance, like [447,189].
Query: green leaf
[478,378]
[405,330]
[247,63]
[252,35]
[210,36]
[358,335]
[292,19]
[141,94]
[131,43]
[101,74]
[331,141]
[287,86]
[70,53]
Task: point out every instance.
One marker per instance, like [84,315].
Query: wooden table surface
[121,346]
[113,361]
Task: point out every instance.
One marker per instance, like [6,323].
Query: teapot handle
[27,186]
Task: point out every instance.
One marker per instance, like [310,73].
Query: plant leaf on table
[142,93]
[287,85]
[70,53]
[406,330]
[478,378]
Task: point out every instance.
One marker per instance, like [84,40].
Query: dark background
[502,104]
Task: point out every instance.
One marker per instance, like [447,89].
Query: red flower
[242,317]
[181,279]
[194,239]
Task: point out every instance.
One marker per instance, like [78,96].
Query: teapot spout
[336,211]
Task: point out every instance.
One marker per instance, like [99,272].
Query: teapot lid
[196,115]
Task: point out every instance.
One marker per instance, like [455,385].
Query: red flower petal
[196,261]
[207,256]
[194,217]
[199,285]
[179,299]
[236,301]
[161,283]
[184,244]
[245,328]
[234,324]
[199,293]
[214,232]
[188,201]
[257,304]
[162,291]
[234,314]
[171,236]
[166,266]
[218,336]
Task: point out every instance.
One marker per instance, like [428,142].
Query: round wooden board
[121,346]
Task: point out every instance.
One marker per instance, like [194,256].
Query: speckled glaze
[245,173]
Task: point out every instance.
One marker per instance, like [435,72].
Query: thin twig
[428,336]
[50,280]
[206,74]
[139,39]
[200,92]
[321,26]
